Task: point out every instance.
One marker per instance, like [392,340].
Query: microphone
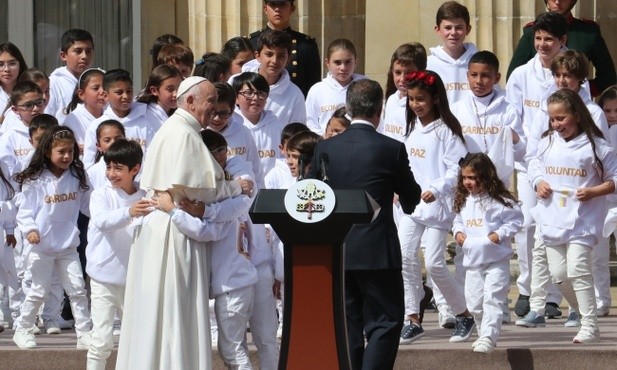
[303,161]
[324,160]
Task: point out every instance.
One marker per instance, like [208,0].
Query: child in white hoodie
[487,217]
[329,94]
[115,210]
[77,51]
[450,60]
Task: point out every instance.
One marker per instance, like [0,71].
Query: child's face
[120,97]
[452,32]
[398,76]
[470,180]
[278,13]
[292,158]
[563,121]
[43,84]
[253,106]
[185,69]
[335,127]
[220,155]
[341,65]
[272,61]
[166,93]
[121,176]
[36,137]
[61,156]
[93,95]
[240,59]
[78,57]
[610,110]
[565,80]
[422,104]
[29,106]
[107,136]
[222,117]
[9,69]
[547,46]
[482,78]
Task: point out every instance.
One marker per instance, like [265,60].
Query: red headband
[422,76]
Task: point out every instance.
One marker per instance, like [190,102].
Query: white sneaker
[24,338]
[574,320]
[52,327]
[603,311]
[83,341]
[483,345]
[587,335]
[36,330]
[446,317]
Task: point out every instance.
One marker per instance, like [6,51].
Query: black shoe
[552,311]
[426,301]
[411,333]
[521,308]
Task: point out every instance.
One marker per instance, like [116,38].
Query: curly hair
[487,180]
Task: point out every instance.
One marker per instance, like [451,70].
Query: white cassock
[166,319]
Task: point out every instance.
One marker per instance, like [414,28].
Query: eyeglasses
[11,64]
[221,114]
[251,94]
[219,150]
[28,106]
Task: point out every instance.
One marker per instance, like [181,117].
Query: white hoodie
[480,216]
[267,136]
[452,71]
[323,99]
[62,85]
[79,120]
[567,166]
[110,234]
[286,100]
[394,121]
[51,205]
[15,147]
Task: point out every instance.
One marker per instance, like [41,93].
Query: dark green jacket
[584,36]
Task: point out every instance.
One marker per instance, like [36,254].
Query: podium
[314,325]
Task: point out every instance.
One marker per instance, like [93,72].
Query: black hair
[254,80]
[41,122]
[551,22]
[273,38]
[20,89]
[158,44]
[13,50]
[125,152]
[236,45]
[157,77]
[82,83]
[212,139]
[408,54]
[100,127]
[225,93]
[291,129]
[212,66]
[72,36]
[116,75]
[485,57]
[41,158]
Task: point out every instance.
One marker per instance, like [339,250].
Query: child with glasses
[12,65]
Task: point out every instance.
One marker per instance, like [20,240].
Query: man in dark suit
[361,158]
[304,64]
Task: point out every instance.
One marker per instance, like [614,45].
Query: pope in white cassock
[166,320]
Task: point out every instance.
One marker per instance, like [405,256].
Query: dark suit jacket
[361,158]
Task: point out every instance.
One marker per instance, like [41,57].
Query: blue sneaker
[410,333]
[532,320]
[463,329]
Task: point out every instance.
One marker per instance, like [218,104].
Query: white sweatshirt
[14,148]
[394,120]
[323,99]
[280,176]
[240,142]
[79,120]
[452,71]
[434,152]
[567,166]
[157,116]
[286,100]
[267,136]
[138,126]
[62,85]
[51,205]
[110,234]
[8,211]
[480,216]
[97,175]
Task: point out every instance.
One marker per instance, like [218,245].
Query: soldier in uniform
[304,62]
[583,35]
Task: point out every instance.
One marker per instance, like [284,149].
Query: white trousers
[263,321]
[542,287]
[41,265]
[486,292]
[570,266]
[233,310]
[106,300]
[600,256]
[410,234]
